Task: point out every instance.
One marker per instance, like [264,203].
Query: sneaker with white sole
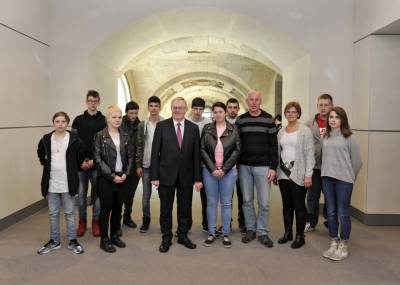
[226,242]
[210,240]
[308,228]
[75,247]
[341,252]
[331,250]
[49,246]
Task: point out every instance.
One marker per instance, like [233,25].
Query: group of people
[177,155]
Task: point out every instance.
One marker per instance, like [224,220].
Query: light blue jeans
[146,193]
[84,178]
[255,177]
[55,200]
[219,189]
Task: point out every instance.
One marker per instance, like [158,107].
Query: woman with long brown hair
[341,161]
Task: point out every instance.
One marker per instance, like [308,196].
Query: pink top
[219,149]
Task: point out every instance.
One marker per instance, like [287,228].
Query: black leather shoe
[119,233]
[107,246]
[298,242]
[265,240]
[115,240]
[249,236]
[186,242]
[129,223]
[287,236]
[165,245]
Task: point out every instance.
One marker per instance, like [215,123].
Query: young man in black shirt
[86,125]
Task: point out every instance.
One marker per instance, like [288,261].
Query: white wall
[320,26]
[24,100]
[376,101]
[372,15]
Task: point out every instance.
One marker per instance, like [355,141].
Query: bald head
[253,101]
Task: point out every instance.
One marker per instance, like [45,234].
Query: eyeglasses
[92,101]
[291,112]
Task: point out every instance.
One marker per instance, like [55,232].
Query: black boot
[287,236]
[129,222]
[145,226]
[115,240]
[106,245]
[288,223]
[298,242]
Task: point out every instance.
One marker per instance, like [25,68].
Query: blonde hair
[112,109]
[178,99]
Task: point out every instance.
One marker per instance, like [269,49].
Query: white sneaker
[308,228]
[332,249]
[341,252]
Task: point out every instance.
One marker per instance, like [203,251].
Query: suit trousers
[184,195]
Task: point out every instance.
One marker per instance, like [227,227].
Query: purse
[285,167]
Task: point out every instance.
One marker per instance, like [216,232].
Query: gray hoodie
[341,158]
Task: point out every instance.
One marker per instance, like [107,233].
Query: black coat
[74,158]
[105,154]
[230,140]
[168,161]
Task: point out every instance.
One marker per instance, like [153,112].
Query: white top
[288,144]
[117,143]
[201,123]
[150,129]
[58,173]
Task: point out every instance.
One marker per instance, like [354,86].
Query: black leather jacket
[230,140]
[105,154]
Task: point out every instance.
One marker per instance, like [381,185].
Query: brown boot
[81,228]
[95,228]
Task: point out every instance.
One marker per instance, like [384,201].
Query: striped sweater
[259,140]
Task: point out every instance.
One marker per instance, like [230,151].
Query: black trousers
[240,204]
[293,200]
[184,196]
[132,182]
[111,197]
[313,196]
[203,197]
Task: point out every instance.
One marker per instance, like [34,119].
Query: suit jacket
[168,161]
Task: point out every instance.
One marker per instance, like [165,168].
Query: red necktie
[179,134]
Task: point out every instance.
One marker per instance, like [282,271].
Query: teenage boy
[198,106]
[86,126]
[130,124]
[144,142]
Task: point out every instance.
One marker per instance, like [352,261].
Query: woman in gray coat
[296,149]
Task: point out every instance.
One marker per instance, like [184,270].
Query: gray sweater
[341,158]
[304,155]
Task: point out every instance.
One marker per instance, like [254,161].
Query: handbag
[286,166]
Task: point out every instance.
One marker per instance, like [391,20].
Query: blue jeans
[250,177]
[219,189]
[68,202]
[338,196]
[84,178]
[146,194]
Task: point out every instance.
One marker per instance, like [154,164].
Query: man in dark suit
[175,164]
